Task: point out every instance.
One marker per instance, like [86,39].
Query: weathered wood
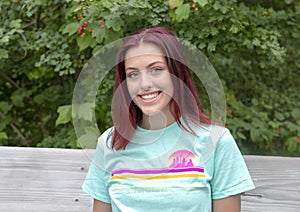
[35,179]
[277,181]
[41,179]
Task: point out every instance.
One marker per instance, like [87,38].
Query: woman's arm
[101,206]
[229,204]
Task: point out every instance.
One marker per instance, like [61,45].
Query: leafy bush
[252,45]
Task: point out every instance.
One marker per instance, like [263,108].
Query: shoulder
[104,142]
[219,140]
[213,139]
[103,148]
[106,136]
[213,133]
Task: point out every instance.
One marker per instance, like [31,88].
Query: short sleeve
[231,175]
[95,183]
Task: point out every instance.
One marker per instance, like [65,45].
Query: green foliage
[65,114]
[252,44]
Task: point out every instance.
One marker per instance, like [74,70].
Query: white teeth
[149,96]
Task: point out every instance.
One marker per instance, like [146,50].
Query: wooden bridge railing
[42,179]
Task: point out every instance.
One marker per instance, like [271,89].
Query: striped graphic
[159,171]
[156,189]
[158,174]
[157,177]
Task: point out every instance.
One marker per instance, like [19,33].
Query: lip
[150,97]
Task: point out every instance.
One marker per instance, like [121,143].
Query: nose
[146,81]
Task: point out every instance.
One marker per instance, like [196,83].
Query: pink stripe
[159,171]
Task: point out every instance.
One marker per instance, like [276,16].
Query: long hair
[126,115]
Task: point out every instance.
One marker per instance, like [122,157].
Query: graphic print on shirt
[180,164]
[180,179]
[181,158]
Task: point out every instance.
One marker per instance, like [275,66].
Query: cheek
[166,86]
[132,89]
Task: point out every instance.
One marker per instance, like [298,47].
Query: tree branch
[16,130]
[42,125]
[9,79]
[38,16]
[58,6]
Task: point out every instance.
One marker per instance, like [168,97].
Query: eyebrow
[148,66]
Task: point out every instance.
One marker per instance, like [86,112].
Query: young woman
[163,153]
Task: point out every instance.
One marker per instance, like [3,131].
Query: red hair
[126,115]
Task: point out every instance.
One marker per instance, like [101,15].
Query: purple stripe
[158,171]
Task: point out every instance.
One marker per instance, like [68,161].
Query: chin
[150,113]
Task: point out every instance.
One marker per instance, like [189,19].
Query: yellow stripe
[158,188]
[158,177]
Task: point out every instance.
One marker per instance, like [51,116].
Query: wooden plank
[41,179]
[36,179]
[277,181]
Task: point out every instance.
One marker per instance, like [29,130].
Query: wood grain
[277,181]
[43,179]
[38,179]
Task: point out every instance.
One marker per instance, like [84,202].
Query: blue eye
[156,70]
[133,75]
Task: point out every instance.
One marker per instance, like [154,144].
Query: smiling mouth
[150,96]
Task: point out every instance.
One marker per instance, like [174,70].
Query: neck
[157,121]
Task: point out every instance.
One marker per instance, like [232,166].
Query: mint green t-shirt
[168,170]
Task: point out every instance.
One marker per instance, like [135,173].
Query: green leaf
[241,135]
[291,144]
[202,3]
[116,23]
[3,54]
[88,141]
[234,29]
[98,32]
[279,116]
[214,31]
[18,96]
[172,15]
[211,46]
[254,135]
[107,3]
[65,114]
[40,99]
[4,39]
[88,110]
[92,130]
[175,3]
[15,23]
[71,28]
[274,124]
[256,42]
[288,1]
[5,107]
[254,102]
[86,41]
[296,113]
[217,5]
[3,135]
[182,12]
[292,126]
[84,111]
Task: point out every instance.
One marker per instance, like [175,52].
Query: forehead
[144,49]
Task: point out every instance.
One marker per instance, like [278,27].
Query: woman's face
[148,79]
